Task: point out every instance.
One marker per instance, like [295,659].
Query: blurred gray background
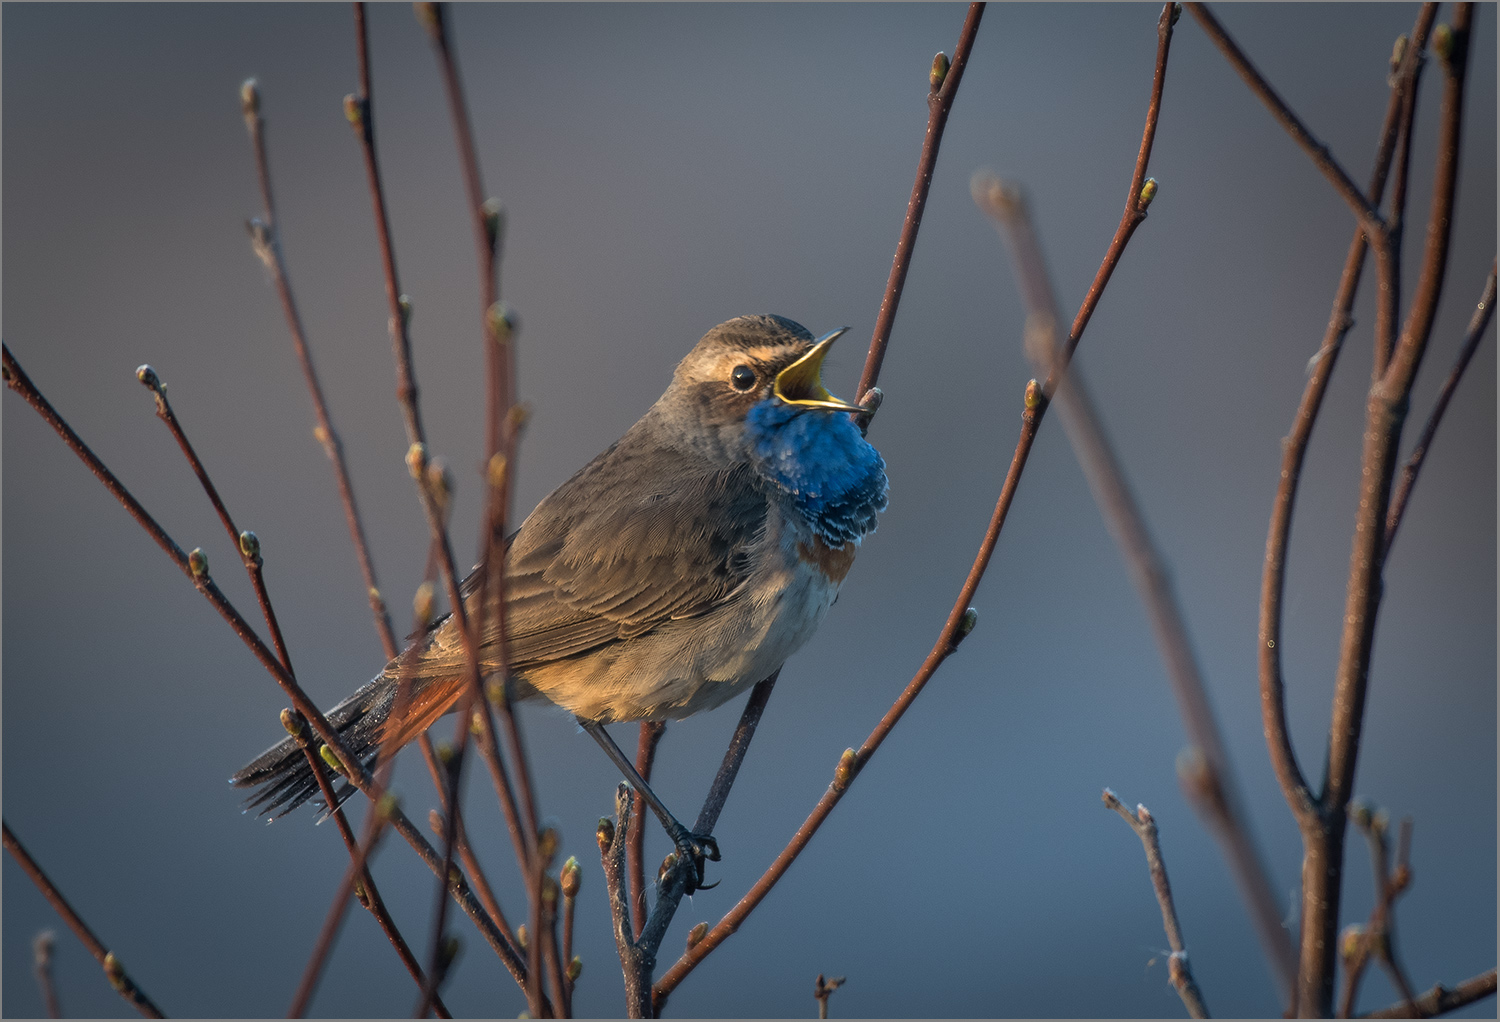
[666,168]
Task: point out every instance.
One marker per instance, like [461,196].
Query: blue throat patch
[836,479]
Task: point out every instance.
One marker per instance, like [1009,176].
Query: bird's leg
[693,848]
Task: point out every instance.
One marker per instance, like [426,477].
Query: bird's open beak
[801,383]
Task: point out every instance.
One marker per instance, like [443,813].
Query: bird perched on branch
[679,567]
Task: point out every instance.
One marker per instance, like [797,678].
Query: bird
[683,564]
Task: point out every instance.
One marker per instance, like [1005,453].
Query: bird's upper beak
[801,383]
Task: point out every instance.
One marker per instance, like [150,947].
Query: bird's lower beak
[801,383]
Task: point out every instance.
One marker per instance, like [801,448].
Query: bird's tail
[282,772]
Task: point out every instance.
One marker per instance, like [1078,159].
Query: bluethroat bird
[679,567]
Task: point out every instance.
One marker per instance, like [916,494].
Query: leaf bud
[416,460]
[250,99]
[844,772]
[1351,940]
[575,969]
[1442,42]
[147,375]
[388,805]
[571,877]
[502,321]
[354,112]
[1148,192]
[332,760]
[696,934]
[605,833]
[294,722]
[522,936]
[1033,397]
[966,625]
[422,604]
[547,843]
[939,70]
[250,547]
[494,222]
[404,303]
[114,972]
[198,563]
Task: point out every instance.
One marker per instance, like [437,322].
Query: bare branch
[1477,324]
[1181,975]
[1208,777]
[113,970]
[944,79]
[41,951]
[823,990]
[1440,999]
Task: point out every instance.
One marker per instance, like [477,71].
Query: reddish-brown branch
[1180,973]
[961,618]
[266,239]
[635,849]
[1475,334]
[1440,999]
[1272,688]
[939,103]
[1385,414]
[16,379]
[113,971]
[1206,772]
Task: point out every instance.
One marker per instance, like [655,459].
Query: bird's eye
[742,378]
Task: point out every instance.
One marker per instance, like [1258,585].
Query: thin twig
[651,732]
[265,237]
[41,952]
[359,109]
[1377,938]
[1440,999]
[113,971]
[822,990]
[1477,324]
[1205,771]
[961,619]
[196,570]
[944,80]
[637,958]
[1386,408]
[1294,449]
[1180,974]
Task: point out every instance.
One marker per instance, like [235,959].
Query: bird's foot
[693,850]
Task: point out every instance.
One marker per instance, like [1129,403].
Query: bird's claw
[693,850]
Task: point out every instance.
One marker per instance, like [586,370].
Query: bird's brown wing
[633,540]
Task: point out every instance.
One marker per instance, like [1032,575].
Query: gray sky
[666,168]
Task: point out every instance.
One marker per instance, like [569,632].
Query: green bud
[1351,940]
[966,625]
[575,969]
[439,483]
[502,321]
[416,460]
[446,753]
[547,843]
[844,772]
[498,468]
[696,934]
[494,222]
[198,563]
[1033,395]
[332,760]
[1398,52]
[361,894]
[250,99]
[387,806]
[114,972]
[549,892]
[1176,12]
[571,877]
[605,833]
[422,604]
[939,71]
[522,937]
[250,546]
[294,722]
[1442,42]
[518,415]
[455,878]
[354,112]
[149,379]
[404,303]
[1148,192]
